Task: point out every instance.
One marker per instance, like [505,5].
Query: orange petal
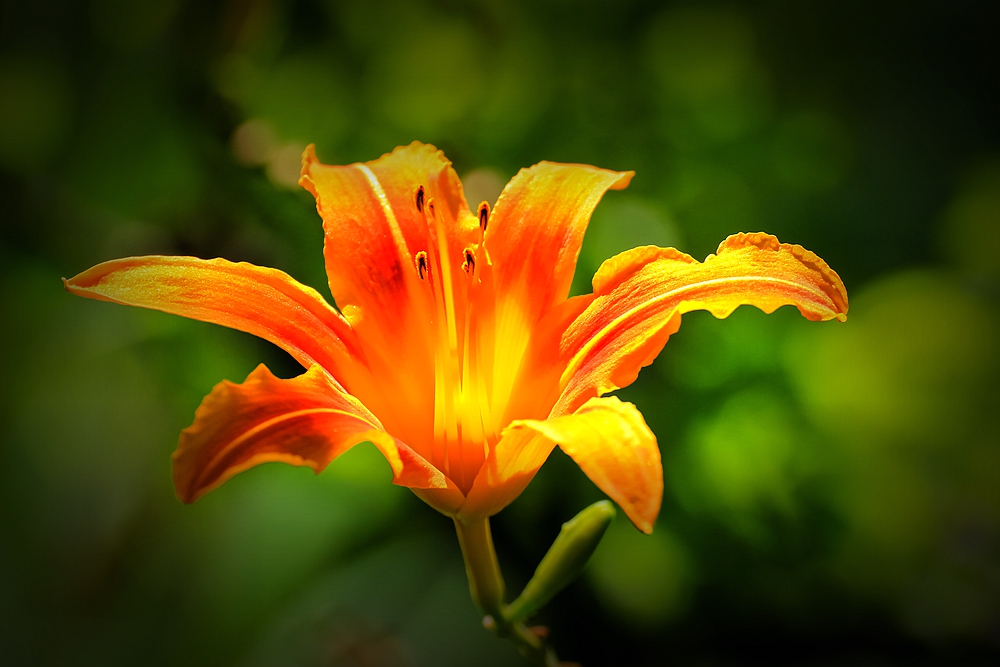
[264,302]
[533,240]
[537,226]
[608,439]
[510,465]
[448,500]
[641,294]
[375,228]
[305,421]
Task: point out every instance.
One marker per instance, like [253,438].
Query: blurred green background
[832,491]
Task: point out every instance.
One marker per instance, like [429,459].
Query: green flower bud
[564,561]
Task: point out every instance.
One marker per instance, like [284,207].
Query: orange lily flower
[455,350]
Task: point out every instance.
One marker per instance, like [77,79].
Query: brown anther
[469,265]
[420,262]
[419,196]
[484,215]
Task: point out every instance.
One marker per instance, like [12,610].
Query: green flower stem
[487,589]
[485,580]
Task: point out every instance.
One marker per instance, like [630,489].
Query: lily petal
[537,227]
[533,240]
[375,225]
[641,294]
[305,421]
[378,219]
[264,302]
[447,501]
[607,438]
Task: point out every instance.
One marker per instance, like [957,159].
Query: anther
[469,265]
[419,196]
[420,262]
[484,215]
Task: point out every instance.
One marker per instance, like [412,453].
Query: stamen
[419,196]
[420,262]
[484,215]
[469,265]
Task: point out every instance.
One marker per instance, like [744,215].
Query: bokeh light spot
[302,97]
[741,460]
[483,184]
[254,142]
[644,578]
[913,366]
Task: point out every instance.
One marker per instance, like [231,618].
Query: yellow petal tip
[624,178]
